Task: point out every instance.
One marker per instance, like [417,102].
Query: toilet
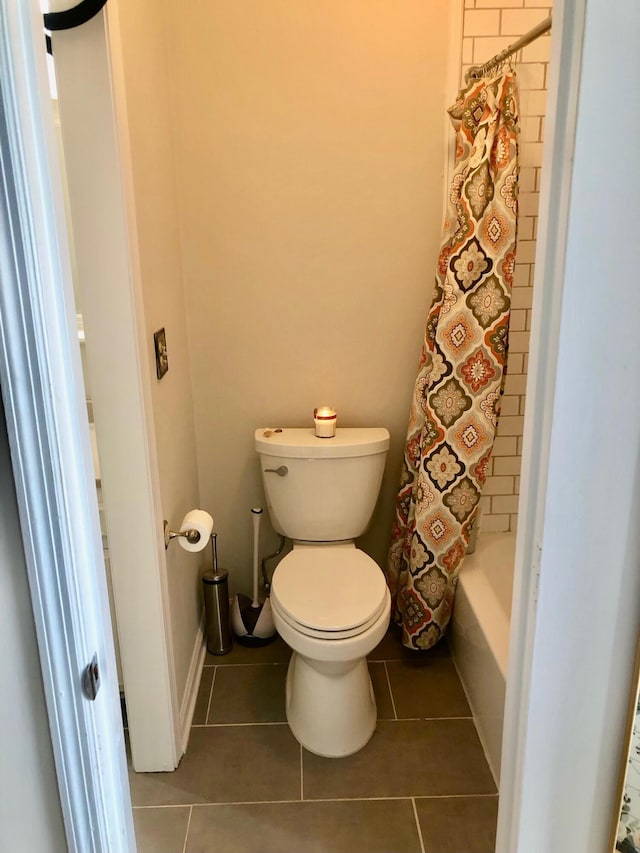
[329,600]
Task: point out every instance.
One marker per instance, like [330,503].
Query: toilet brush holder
[252,622]
[215,587]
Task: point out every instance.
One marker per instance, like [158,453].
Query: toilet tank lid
[304,444]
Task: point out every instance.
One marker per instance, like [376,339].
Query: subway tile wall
[488,27]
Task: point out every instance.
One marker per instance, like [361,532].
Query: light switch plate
[162,357]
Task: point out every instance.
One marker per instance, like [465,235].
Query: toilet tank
[326,488]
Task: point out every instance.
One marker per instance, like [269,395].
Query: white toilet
[330,601]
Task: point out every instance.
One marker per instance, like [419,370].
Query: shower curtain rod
[477,71]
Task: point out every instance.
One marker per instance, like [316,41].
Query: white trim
[555,198]
[452,79]
[192,686]
[587,618]
[51,455]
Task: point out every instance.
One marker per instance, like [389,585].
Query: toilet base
[330,705]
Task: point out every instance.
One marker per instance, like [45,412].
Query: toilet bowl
[331,605]
[329,600]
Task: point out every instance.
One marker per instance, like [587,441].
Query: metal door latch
[91,679]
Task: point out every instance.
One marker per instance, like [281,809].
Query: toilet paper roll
[198,520]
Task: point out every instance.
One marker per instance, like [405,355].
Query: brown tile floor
[421,785]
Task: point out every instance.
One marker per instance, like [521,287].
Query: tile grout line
[493,795]
[284,722]
[213,681]
[165,806]
[227,725]
[301,773]
[393,704]
[415,814]
[232,665]
[186,835]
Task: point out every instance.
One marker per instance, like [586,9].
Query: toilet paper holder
[192,536]
[194,532]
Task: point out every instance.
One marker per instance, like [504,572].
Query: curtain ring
[473,73]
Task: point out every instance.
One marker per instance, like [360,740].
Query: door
[107,279]
[41,383]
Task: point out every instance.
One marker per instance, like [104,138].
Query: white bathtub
[479,635]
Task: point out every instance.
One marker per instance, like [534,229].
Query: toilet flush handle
[282,471]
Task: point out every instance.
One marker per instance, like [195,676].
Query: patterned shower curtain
[456,402]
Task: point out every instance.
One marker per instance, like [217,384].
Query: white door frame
[42,389]
[101,202]
[565,68]
[576,619]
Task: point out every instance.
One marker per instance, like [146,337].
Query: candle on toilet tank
[324,418]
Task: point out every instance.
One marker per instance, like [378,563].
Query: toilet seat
[328,593]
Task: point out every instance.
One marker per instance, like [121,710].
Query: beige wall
[149,116]
[307,146]
[310,151]
[489,26]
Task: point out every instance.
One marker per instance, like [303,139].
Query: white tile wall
[488,27]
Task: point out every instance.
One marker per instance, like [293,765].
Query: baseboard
[188,705]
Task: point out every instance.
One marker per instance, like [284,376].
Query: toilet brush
[251,621]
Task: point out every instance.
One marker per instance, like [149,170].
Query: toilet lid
[332,590]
